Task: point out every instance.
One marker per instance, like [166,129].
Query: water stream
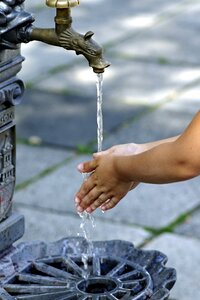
[87,220]
[99,84]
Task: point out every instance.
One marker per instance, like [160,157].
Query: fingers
[97,203]
[95,155]
[87,167]
[86,187]
[88,200]
[110,203]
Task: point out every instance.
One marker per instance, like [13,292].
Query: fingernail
[96,154]
[80,167]
[89,210]
[77,200]
[79,209]
[103,209]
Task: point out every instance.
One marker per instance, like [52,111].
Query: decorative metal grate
[113,273]
[63,278]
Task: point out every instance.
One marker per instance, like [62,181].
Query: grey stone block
[191,227]
[126,82]
[55,191]
[11,230]
[169,120]
[41,59]
[172,40]
[30,5]
[67,120]
[183,255]
[53,226]
[32,160]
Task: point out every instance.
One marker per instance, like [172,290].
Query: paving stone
[126,82]
[32,160]
[38,65]
[54,226]
[30,5]
[55,191]
[67,120]
[40,57]
[99,11]
[191,227]
[183,254]
[164,122]
[174,41]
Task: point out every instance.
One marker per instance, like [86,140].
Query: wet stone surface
[115,270]
[183,254]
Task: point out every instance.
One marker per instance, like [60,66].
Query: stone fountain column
[12,15]
[11,90]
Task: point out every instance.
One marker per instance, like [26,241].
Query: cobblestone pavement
[151,91]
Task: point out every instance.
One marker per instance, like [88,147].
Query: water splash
[64,248]
[87,220]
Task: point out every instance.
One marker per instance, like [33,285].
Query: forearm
[150,145]
[161,164]
[165,161]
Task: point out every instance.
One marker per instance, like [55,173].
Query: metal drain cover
[116,271]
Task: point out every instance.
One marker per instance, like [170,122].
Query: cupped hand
[104,187]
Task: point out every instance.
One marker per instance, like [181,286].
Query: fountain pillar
[11,91]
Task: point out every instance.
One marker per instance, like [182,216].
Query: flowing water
[99,84]
[85,226]
[87,219]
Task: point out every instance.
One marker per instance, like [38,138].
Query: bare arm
[175,159]
[148,146]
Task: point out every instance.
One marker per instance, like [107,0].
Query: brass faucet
[63,35]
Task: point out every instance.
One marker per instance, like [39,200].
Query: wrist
[121,167]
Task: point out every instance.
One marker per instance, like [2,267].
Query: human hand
[124,150]
[104,188]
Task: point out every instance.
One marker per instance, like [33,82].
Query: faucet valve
[62,3]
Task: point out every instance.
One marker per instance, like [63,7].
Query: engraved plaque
[7,170]
[7,116]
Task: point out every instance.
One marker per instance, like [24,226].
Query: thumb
[87,167]
[95,155]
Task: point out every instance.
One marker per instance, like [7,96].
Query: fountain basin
[117,270]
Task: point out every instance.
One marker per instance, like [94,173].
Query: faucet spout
[65,36]
[20,30]
[85,45]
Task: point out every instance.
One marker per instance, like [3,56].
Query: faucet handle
[62,3]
